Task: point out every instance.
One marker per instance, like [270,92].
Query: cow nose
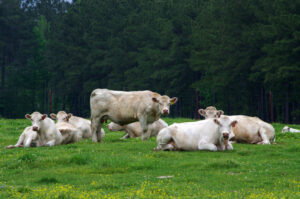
[35,128]
[165,111]
[225,135]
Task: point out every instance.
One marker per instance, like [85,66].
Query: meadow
[131,169]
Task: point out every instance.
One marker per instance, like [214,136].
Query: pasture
[130,169]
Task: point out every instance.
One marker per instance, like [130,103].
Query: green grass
[129,169]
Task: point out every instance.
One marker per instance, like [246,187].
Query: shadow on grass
[47,180]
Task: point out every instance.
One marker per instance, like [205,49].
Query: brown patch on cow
[173,144]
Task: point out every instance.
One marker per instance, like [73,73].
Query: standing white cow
[48,134]
[126,107]
[28,138]
[134,129]
[83,125]
[209,134]
[250,129]
[287,129]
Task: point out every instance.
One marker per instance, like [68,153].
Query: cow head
[225,126]
[164,103]
[210,112]
[285,129]
[61,116]
[114,127]
[36,119]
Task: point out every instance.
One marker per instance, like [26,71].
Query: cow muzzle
[226,136]
[35,128]
[165,111]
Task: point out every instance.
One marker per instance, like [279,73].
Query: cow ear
[173,100]
[217,122]
[69,116]
[219,113]
[234,123]
[27,116]
[53,116]
[44,116]
[154,99]
[201,112]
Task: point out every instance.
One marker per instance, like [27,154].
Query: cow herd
[138,114]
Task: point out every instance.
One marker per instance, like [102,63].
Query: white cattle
[287,129]
[83,125]
[251,130]
[210,112]
[28,138]
[134,129]
[48,134]
[210,134]
[126,107]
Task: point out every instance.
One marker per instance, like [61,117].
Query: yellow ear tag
[172,102]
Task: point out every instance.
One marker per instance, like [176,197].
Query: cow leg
[50,143]
[125,136]
[95,126]
[21,140]
[144,127]
[163,140]
[28,141]
[264,137]
[203,145]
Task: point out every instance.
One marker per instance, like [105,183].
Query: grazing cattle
[210,112]
[287,129]
[126,107]
[251,130]
[134,129]
[83,125]
[210,134]
[28,138]
[48,134]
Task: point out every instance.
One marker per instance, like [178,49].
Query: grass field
[129,169]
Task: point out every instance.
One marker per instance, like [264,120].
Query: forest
[241,56]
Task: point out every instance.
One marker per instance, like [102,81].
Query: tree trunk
[262,115]
[287,107]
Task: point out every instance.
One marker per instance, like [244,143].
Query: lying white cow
[48,134]
[126,107]
[210,112]
[28,138]
[83,125]
[210,134]
[69,132]
[287,129]
[134,129]
[250,129]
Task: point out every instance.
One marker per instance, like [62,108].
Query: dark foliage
[240,56]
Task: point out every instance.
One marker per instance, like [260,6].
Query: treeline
[241,56]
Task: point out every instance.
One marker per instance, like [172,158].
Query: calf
[28,138]
[82,125]
[250,129]
[287,129]
[126,107]
[134,129]
[48,134]
[210,134]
